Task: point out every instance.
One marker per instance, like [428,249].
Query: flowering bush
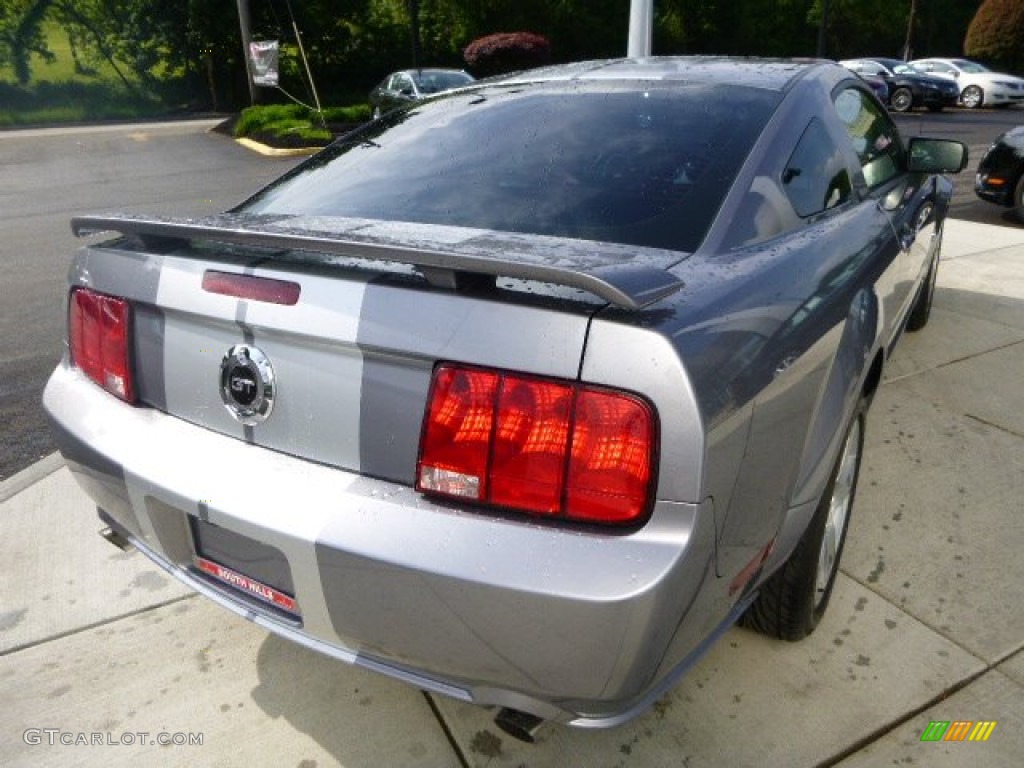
[506,52]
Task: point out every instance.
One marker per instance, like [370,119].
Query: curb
[266,151]
[29,476]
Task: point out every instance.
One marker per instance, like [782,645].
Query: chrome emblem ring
[247,384]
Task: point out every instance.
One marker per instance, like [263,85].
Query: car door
[939,69]
[906,199]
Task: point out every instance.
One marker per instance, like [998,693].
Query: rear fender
[843,388]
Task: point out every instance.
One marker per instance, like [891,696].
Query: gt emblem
[247,384]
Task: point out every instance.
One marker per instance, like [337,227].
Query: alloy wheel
[838,510]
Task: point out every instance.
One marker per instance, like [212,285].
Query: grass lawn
[58,94]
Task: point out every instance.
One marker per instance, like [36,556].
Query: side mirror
[936,156]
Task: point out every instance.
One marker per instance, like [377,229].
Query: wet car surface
[531,422]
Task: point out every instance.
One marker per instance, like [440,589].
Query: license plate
[250,586]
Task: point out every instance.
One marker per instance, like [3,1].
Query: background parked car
[400,88]
[979,86]
[1000,177]
[878,85]
[908,88]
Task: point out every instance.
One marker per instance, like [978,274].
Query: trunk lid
[352,358]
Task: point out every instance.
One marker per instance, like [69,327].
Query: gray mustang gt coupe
[522,394]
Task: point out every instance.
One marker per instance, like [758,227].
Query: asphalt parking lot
[103,658]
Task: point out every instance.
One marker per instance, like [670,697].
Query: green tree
[21,35]
[996,34]
[189,51]
[182,51]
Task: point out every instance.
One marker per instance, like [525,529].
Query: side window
[815,178]
[873,136]
[404,85]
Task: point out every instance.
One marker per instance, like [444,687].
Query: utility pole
[245,21]
[414,23]
[822,27]
[908,46]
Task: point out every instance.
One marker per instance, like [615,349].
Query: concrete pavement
[925,623]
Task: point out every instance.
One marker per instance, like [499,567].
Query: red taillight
[545,447]
[99,334]
[610,467]
[459,421]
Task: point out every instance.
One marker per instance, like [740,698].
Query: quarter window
[403,84]
[815,178]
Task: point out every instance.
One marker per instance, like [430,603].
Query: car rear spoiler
[627,277]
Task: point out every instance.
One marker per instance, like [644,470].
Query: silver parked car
[979,86]
[400,88]
[524,394]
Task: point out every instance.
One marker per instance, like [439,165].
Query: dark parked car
[1000,177]
[908,88]
[400,88]
[878,86]
[525,394]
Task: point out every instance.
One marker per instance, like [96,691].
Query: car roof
[867,60]
[432,71]
[769,74]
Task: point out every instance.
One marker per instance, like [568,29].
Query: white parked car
[978,84]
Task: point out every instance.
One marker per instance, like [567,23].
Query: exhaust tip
[519,725]
[116,539]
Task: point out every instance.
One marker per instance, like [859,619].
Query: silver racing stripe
[249,337]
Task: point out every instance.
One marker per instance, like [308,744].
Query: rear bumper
[567,624]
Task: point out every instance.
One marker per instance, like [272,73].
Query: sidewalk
[925,623]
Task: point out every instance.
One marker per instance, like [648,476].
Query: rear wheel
[901,100]
[972,97]
[1018,199]
[794,598]
[922,309]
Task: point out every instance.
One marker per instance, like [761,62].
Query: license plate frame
[248,585]
[223,556]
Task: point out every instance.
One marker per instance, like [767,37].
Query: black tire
[901,100]
[922,309]
[972,97]
[794,598]
[1018,199]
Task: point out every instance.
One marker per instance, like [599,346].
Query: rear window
[644,164]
